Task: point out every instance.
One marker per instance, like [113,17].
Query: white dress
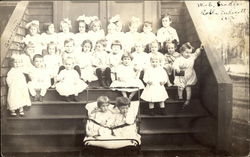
[95,36]
[36,40]
[155,92]
[127,78]
[47,38]
[18,94]
[130,39]
[114,61]
[79,38]
[40,80]
[87,71]
[62,37]
[52,64]
[70,83]
[100,60]
[140,60]
[167,34]
[147,38]
[185,64]
[112,37]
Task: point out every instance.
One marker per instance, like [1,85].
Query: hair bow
[34,22]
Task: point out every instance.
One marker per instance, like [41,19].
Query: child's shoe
[13,113]
[186,103]
[21,113]
[163,111]
[76,98]
[151,112]
[67,98]
[41,98]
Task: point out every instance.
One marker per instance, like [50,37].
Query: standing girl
[126,77]
[82,34]
[49,35]
[96,31]
[18,94]
[184,65]
[155,77]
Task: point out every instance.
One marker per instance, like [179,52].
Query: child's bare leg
[21,111]
[180,92]
[124,94]
[151,107]
[189,94]
[162,106]
[132,95]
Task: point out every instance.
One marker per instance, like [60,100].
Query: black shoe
[151,112]
[67,98]
[76,98]
[163,111]
[186,103]
[32,98]
[37,97]
[41,98]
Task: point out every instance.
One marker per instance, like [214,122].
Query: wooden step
[174,148]
[40,149]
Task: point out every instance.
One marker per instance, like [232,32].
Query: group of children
[68,62]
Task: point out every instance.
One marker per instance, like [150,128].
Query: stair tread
[43,132]
[172,147]
[180,115]
[37,149]
[168,131]
[49,117]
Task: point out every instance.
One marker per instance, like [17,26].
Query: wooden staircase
[55,126]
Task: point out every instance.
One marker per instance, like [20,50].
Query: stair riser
[167,139]
[56,109]
[43,140]
[165,123]
[46,124]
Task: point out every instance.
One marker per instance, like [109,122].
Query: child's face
[119,27]
[65,27]
[123,109]
[186,53]
[147,29]
[111,29]
[17,63]
[171,48]
[99,47]
[51,29]
[138,48]
[69,64]
[154,62]
[52,49]
[104,107]
[86,47]
[38,62]
[82,27]
[33,30]
[133,28]
[69,47]
[30,51]
[154,48]
[166,22]
[96,27]
[116,49]
[126,61]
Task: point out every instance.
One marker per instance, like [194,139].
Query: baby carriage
[123,138]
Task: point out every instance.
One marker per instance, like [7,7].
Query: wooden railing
[215,85]
[14,22]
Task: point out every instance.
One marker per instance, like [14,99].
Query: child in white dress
[166,32]
[101,113]
[133,35]
[140,59]
[96,31]
[68,80]
[154,51]
[39,79]
[100,63]
[18,94]
[52,61]
[82,34]
[155,77]
[49,36]
[65,27]
[185,64]
[147,36]
[34,36]
[170,56]
[126,78]
[114,57]
[84,62]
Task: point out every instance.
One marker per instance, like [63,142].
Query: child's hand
[149,82]
[178,70]
[170,84]
[162,83]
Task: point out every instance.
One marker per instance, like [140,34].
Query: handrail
[212,54]
[9,33]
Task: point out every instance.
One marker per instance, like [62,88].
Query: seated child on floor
[68,82]
[185,64]
[155,77]
[126,77]
[40,79]
[18,94]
